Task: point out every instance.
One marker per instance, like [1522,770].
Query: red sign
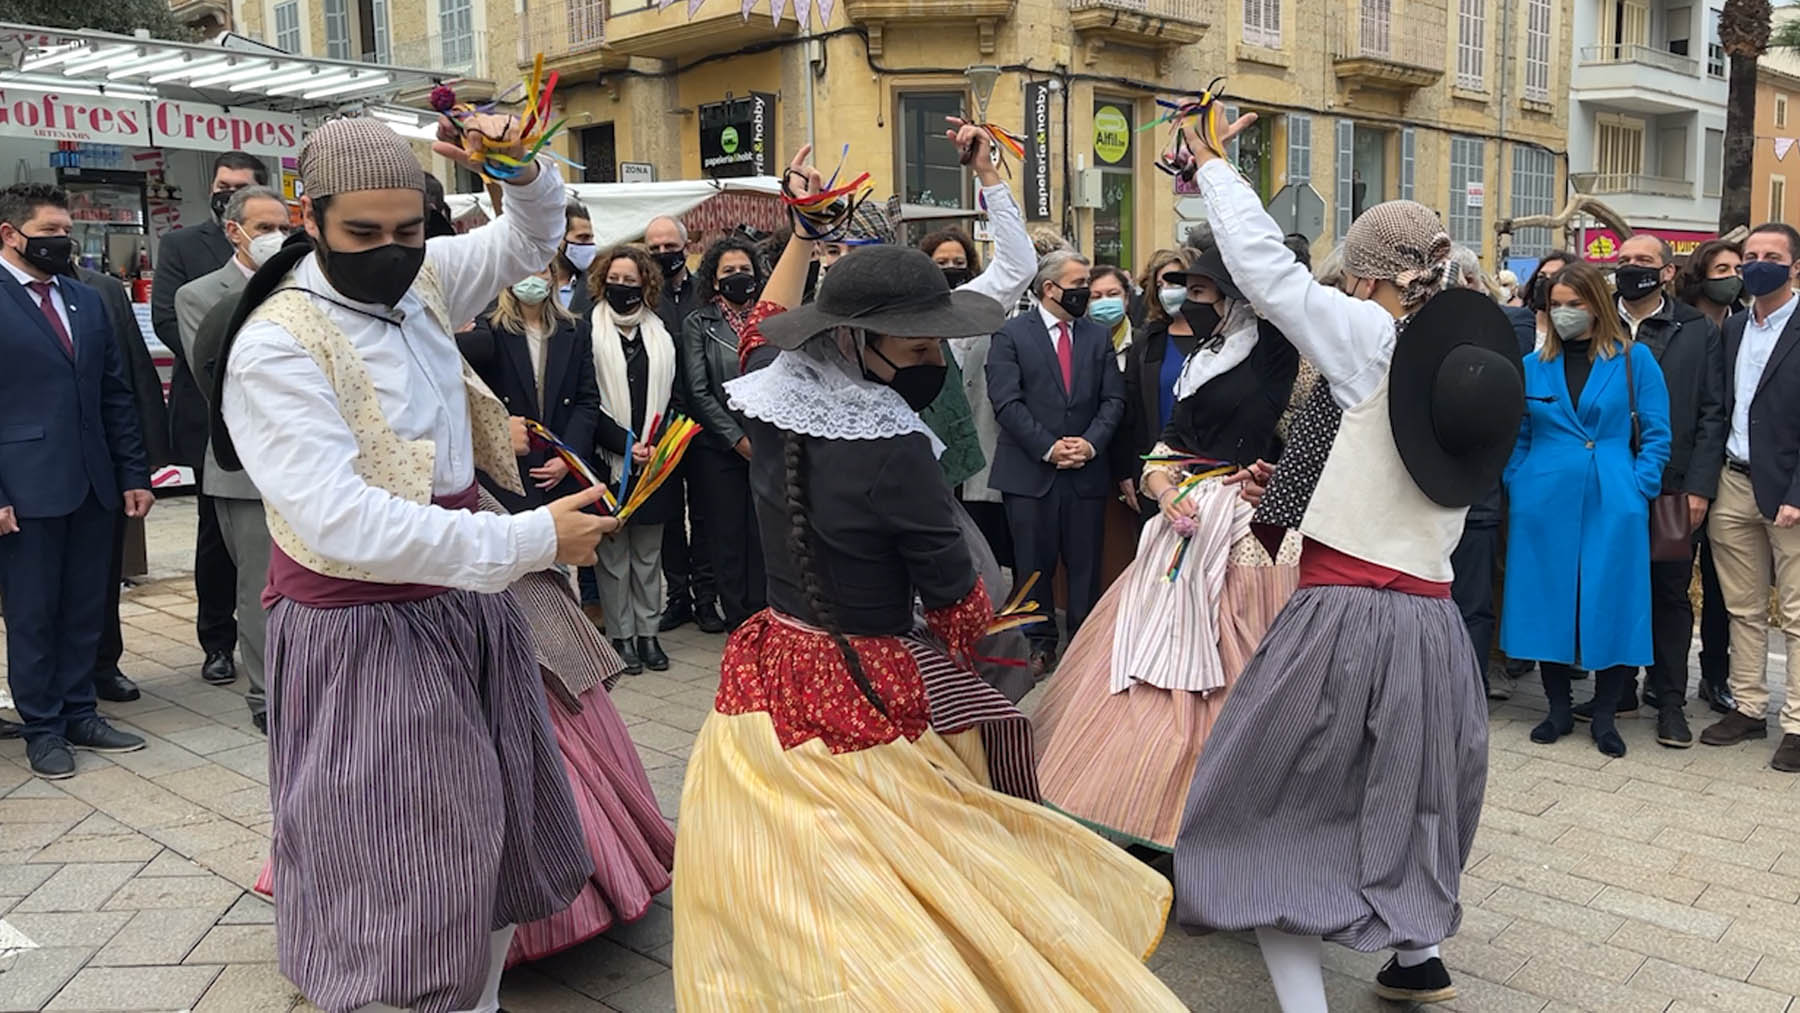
[203,127]
[1603,244]
[54,116]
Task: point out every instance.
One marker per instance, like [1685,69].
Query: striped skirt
[418,797]
[1339,793]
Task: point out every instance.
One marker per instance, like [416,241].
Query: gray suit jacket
[193,301]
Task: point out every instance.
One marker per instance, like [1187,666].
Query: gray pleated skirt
[419,799]
[1340,790]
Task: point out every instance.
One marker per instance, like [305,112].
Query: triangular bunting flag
[663,5]
[803,12]
[779,9]
[747,7]
[825,7]
[694,7]
[1783,145]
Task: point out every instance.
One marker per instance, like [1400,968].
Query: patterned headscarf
[1403,242]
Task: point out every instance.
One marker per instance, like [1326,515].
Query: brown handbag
[1671,534]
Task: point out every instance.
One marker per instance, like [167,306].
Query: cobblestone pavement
[1665,881]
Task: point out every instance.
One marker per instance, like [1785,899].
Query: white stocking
[498,944]
[1413,958]
[1295,969]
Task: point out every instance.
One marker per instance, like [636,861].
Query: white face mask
[264,246]
[581,254]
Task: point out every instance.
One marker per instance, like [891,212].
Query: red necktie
[1065,357]
[42,288]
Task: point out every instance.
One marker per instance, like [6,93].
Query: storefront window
[1114,220]
[932,170]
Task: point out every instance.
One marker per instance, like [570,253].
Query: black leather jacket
[709,357]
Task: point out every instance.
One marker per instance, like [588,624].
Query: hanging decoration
[533,130]
[825,217]
[1177,158]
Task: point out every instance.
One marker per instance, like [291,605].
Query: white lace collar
[805,395]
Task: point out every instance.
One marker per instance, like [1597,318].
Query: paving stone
[170,864]
[33,786]
[252,761]
[36,975]
[1772,885]
[652,995]
[87,930]
[1738,851]
[212,739]
[73,847]
[156,937]
[1551,980]
[166,893]
[1536,877]
[527,991]
[204,834]
[106,989]
[1681,948]
[249,988]
[171,718]
[250,909]
[1473,995]
[1748,908]
[19,880]
[235,944]
[1778,973]
[30,837]
[1681,918]
[1663,977]
[599,968]
[158,757]
[1573,918]
[80,887]
[654,929]
[131,799]
[1533,939]
[240,863]
[64,811]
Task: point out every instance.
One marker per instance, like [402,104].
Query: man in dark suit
[182,256]
[1755,522]
[70,456]
[570,269]
[1057,393]
[153,423]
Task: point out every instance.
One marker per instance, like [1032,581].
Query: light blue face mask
[1171,298]
[532,290]
[1108,310]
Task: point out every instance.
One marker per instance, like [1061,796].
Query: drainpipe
[1500,189]
[807,49]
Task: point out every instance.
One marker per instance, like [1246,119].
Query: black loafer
[1427,982]
[652,654]
[96,736]
[50,758]
[1672,729]
[219,670]
[1628,708]
[676,614]
[115,688]
[1717,695]
[708,620]
[629,655]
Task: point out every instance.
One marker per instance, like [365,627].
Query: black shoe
[1519,668]
[1672,729]
[652,654]
[1717,695]
[115,688]
[219,669]
[708,620]
[1427,982]
[1552,728]
[96,736]
[1653,700]
[261,721]
[1628,708]
[1607,740]
[50,758]
[676,614]
[10,729]
[629,655]
[1043,662]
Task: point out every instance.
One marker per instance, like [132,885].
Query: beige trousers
[1747,548]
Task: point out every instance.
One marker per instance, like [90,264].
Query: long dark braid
[799,543]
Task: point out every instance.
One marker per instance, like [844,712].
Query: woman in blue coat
[1578,547]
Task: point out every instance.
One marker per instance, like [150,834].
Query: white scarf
[610,371]
[1205,364]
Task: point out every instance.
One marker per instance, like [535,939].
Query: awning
[227,71]
[621,211]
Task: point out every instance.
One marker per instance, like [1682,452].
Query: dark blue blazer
[66,426]
[1026,389]
[1774,415]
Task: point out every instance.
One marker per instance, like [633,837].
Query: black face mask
[624,298]
[738,288]
[1540,294]
[217,201]
[672,262]
[437,223]
[1074,301]
[49,254]
[957,276]
[1634,281]
[380,276]
[917,385]
[1202,318]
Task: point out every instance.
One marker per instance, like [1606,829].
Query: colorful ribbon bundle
[1177,160]
[1184,526]
[824,217]
[1018,610]
[487,152]
[669,448]
[545,439]
[1003,141]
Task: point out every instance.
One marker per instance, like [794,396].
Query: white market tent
[621,211]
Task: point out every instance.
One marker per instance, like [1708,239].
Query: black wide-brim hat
[890,290]
[1456,393]
[1211,266]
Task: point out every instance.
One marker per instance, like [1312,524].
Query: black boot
[677,612]
[1608,685]
[629,655]
[652,655]
[1561,720]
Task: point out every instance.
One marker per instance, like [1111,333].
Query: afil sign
[737,136]
[202,127]
[52,116]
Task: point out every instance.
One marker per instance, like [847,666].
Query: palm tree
[1744,34]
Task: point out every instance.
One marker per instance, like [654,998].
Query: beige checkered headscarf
[1403,242]
[357,153]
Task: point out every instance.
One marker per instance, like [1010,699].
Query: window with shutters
[1262,23]
[1468,156]
[1781,110]
[287,26]
[1533,193]
[1715,51]
[1471,44]
[931,170]
[1618,153]
[1376,24]
[1408,138]
[337,29]
[1346,176]
[1537,50]
[378,11]
[1624,24]
[456,22]
[1299,148]
[1777,198]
